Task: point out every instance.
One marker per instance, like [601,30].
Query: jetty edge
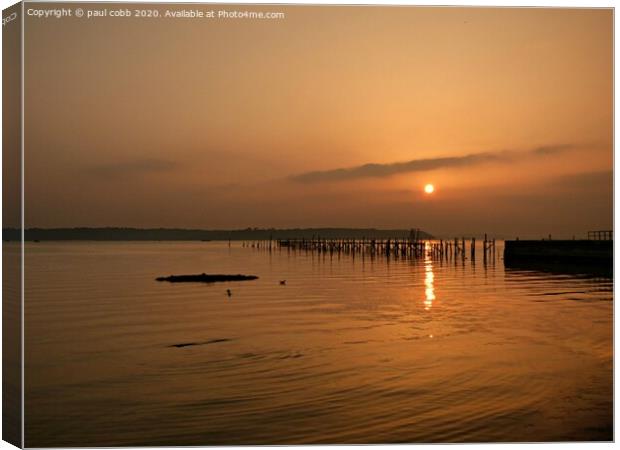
[564,251]
[206,278]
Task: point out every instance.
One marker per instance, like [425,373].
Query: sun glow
[429,188]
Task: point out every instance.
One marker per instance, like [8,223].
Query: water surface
[349,350]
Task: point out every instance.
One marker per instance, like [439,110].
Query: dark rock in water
[205,278]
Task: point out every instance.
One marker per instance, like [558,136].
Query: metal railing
[603,235]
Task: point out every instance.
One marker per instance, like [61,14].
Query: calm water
[350,350]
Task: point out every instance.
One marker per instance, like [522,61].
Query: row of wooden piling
[413,248]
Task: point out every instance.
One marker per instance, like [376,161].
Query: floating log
[205,278]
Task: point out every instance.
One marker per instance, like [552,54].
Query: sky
[330,117]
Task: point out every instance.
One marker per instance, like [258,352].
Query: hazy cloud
[601,180]
[605,177]
[132,168]
[551,149]
[422,165]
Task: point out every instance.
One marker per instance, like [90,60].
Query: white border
[496,3]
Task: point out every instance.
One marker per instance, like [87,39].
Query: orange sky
[223,123]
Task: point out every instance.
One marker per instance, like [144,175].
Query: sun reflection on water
[429,281]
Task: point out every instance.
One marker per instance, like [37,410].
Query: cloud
[551,149]
[423,165]
[587,179]
[132,168]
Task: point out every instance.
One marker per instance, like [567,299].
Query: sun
[429,188]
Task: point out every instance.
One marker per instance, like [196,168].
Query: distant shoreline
[179,234]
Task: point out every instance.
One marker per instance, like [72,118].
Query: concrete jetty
[573,251]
